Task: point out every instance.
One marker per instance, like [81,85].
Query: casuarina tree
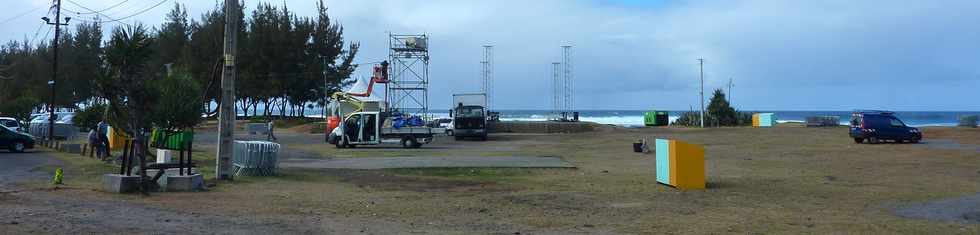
[720,112]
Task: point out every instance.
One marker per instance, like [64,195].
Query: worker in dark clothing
[104,138]
[271,136]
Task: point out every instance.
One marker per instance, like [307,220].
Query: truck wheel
[915,141]
[858,140]
[483,138]
[873,140]
[410,142]
[342,143]
[17,147]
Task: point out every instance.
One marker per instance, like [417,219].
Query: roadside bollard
[59,175]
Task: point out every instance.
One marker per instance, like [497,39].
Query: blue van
[878,126]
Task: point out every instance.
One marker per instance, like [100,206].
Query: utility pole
[54,77]
[226,113]
[731,93]
[701,63]
[323,71]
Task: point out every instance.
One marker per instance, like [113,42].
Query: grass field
[776,180]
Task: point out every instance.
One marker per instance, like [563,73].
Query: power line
[21,14]
[93,20]
[46,35]
[124,17]
[36,32]
[103,10]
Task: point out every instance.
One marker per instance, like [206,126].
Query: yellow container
[755,120]
[686,165]
[680,164]
[117,139]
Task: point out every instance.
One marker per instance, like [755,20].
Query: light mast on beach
[701,64]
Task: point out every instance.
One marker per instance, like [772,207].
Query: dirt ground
[775,180]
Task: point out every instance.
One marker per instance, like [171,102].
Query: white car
[11,123]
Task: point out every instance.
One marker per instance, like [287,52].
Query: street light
[54,65]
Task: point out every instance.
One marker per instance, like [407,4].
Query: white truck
[368,128]
[469,116]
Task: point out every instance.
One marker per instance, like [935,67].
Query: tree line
[718,113]
[285,61]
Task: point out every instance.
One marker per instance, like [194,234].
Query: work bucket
[332,122]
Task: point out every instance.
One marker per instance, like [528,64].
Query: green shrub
[718,113]
[19,108]
[178,102]
[90,116]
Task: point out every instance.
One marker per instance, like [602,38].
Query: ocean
[634,118]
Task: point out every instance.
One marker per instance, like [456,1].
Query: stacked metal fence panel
[969,121]
[257,128]
[256,158]
[61,130]
[822,121]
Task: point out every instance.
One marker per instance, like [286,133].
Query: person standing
[94,142]
[103,134]
[271,136]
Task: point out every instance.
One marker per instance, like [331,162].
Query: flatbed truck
[367,128]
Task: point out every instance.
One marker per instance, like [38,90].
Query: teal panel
[663,161]
[767,119]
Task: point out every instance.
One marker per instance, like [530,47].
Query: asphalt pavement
[18,167]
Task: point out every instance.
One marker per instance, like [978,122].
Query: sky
[633,54]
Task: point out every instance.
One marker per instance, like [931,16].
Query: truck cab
[469,116]
[368,128]
[469,121]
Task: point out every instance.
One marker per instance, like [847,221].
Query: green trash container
[655,118]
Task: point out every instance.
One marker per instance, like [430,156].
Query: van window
[856,121]
[896,122]
[8,123]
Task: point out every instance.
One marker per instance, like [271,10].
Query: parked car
[444,123]
[877,126]
[11,123]
[15,141]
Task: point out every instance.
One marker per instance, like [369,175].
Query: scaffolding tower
[555,91]
[566,62]
[408,89]
[487,74]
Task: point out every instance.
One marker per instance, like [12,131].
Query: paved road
[17,167]
[425,162]
[965,209]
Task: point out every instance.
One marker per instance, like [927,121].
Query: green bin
[655,118]
[173,140]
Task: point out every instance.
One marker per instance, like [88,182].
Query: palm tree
[124,83]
